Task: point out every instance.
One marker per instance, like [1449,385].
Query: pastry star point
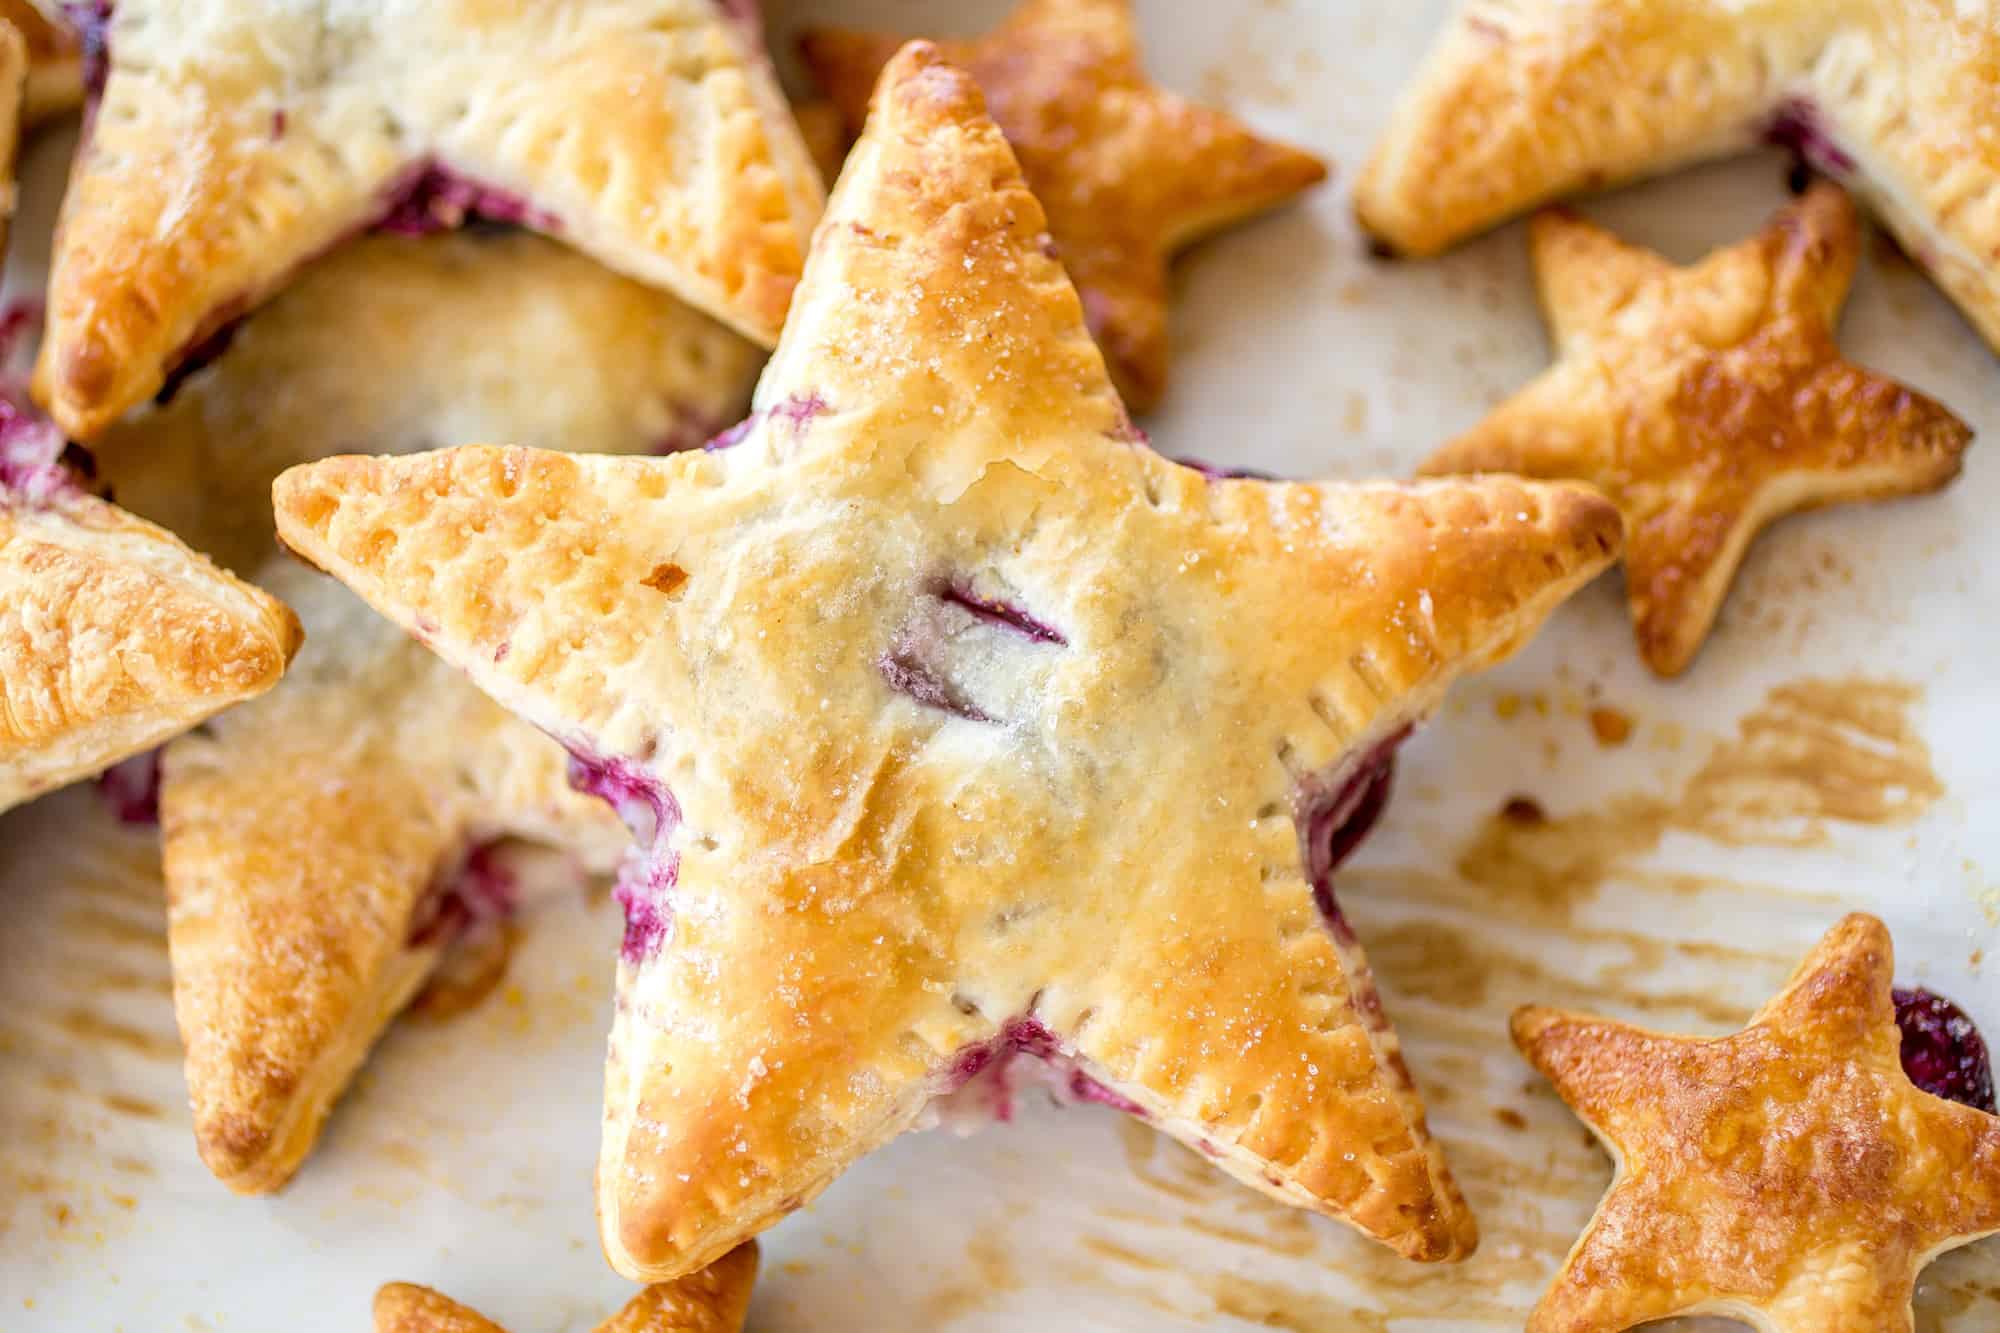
[713,1300]
[1708,402]
[1128,172]
[940,655]
[1789,1173]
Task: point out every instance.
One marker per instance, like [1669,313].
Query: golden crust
[401,1307]
[1127,171]
[874,876]
[305,834]
[1789,1174]
[115,636]
[714,1300]
[1707,402]
[234,124]
[55,61]
[1521,102]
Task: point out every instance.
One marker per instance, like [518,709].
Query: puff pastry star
[323,847]
[1789,1175]
[235,141]
[955,723]
[713,1300]
[1521,101]
[1127,171]
[1707,402]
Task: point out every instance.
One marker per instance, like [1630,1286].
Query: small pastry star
[1707,402]
[1523,101]
[956,724]
[1128,172]
[325,846]
[713,1300]
[1790,1175]
[232,142]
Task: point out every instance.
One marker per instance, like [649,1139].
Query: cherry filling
[33,453]
[904,670]
[1003,614]
[917,663]
[432,198]
[478,889]
[91,21]
[131,788]
[1796,125]
[1335,824]
[795,411]
[1943,1052]
[646,879]
[981,1083]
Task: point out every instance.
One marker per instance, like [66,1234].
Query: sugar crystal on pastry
[1069,820]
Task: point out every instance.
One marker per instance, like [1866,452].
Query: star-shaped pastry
[1789,1175]
[1707,402]
[954,722]
[1128,172]
[1521,101]
[114,635]
[317,844]
[55,61]
[713,1300]
[234,142]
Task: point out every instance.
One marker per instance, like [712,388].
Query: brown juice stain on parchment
[1815,752]
[990,1274]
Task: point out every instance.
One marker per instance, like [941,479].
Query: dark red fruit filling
[1943,1052]
[32,452]
[480,888]
[1003,614]
[1797,126]
[796,411]
[1028,1038]
[131,788]
[906,672]
[434,198]
[646,880]
[210,341]
[92,23]
[1338,822]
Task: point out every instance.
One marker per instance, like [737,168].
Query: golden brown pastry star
[713,1300]
[1127,171]
[1707,402]
[1789,1175]
[957,726]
